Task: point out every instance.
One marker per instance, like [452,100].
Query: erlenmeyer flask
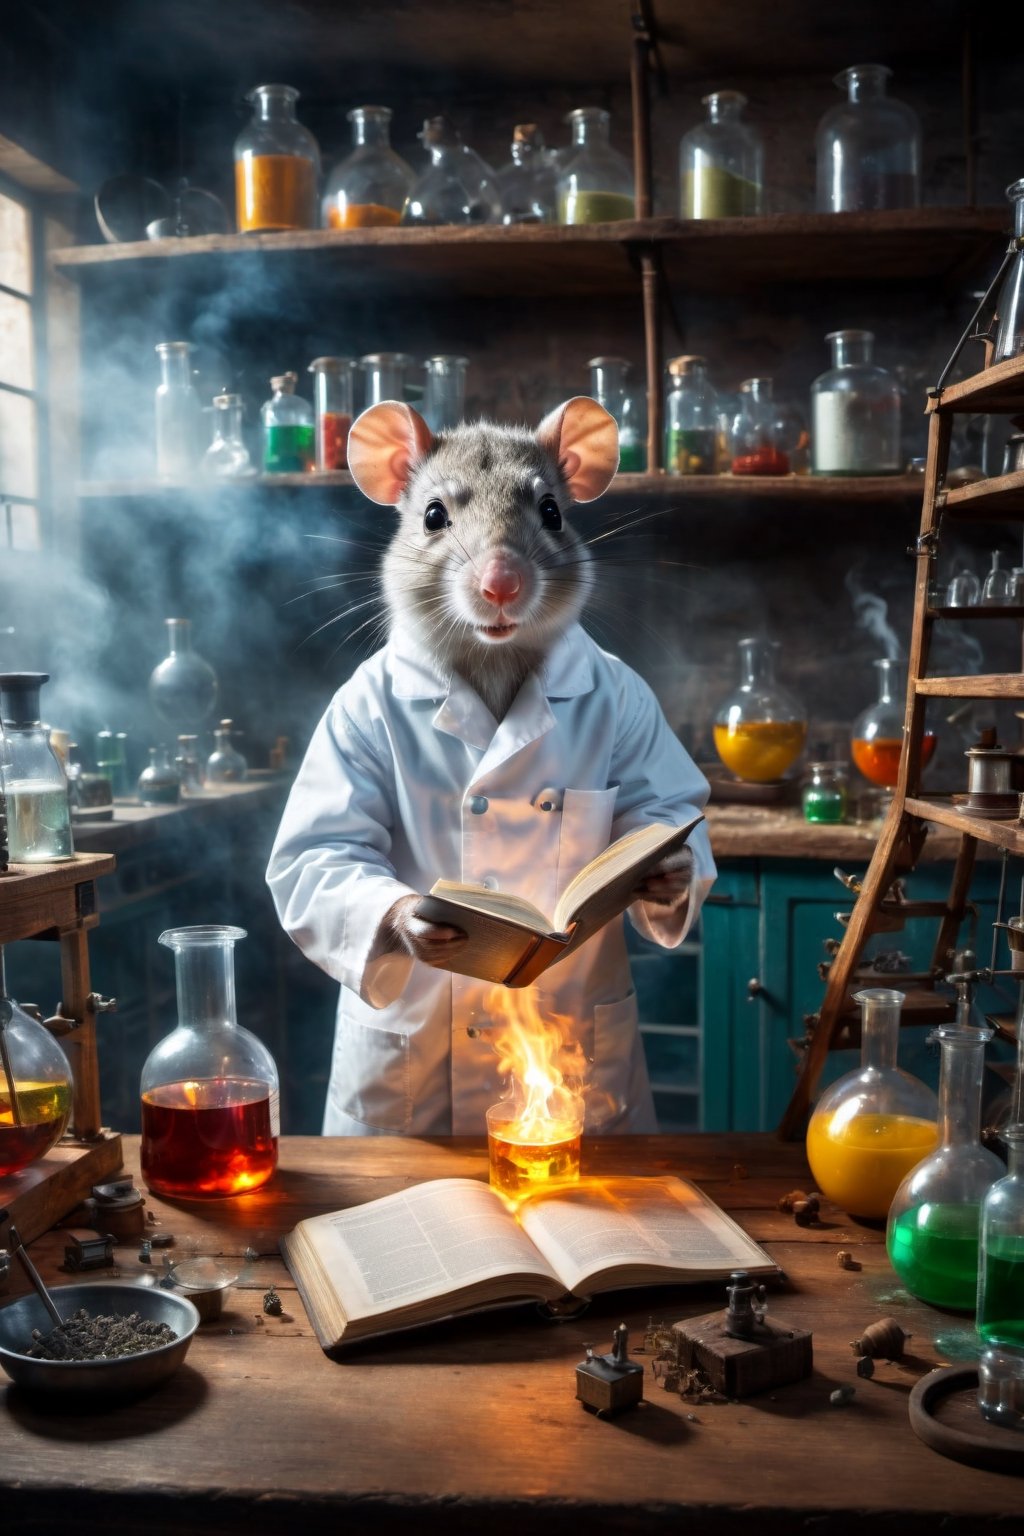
[998,589]
[760,729]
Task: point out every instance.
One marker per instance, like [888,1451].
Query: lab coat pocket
[616,1040]
[372,1076]
[585,829]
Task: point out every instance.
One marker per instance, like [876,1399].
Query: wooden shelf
[976,611]
[999,389]
[1001,496]
[1003,834]
[994,685]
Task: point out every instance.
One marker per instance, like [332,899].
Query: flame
[545,1104]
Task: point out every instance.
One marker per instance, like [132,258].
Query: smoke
[870,612]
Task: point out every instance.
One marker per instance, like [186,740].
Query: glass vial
[183,688]
[595,184]
[158,782]
[35,784]
[754,448]
[721,162]
[868,147]
[691,418]
[227,457]
[527,183]
[458,187]
[876,738]
[112,760]
[760,729]
[225,764]
[444,396]
[289,438]
[823,798]
[610,387]
[855,411]
[1009,315]
[384,376]
[277,165]
[332,410]
[177,413]
[369,187]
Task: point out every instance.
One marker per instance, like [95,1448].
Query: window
[20,401]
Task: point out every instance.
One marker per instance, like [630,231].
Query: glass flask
[823,798]
[227,457]
[159,783]
[527,183]
[225,764]
[964,590]
[187,766]
[1009,315]
[177,413]
[721,162]
[332,408]
[384,376]
[458,187]
[277,165]
[760,729]
[369,187]
[112,760]
[289,437]
[1000,1315]
[934,1220]
[874,1124]
[876,739]
[610,387]
[997,591]
[444,397]
[35,784]
[691,418]
[183,688]
[868,147]
[753,444]
[35,1086]
[210,1101]
[855,411]
[595,182]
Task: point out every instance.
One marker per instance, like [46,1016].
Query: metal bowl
[126,1376]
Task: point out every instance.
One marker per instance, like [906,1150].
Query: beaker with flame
[877,736]
[534,1132]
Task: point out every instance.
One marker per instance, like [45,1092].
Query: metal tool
[18,1248]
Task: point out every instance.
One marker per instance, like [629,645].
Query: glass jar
[527,183]
[760,729]
[332,407]
[609,386]
[183,688]
[227,457]
[289,438]
[1009,316]
[35,784]
[35,1086]
[691,418]
[934,1220]
[112,760]
[210,1098]
[384,376]
[855,411]
[876,739]
[823,798]
[177,413]
[868,147]
[444,396]
[277,165]
[752,438]
[458,187]
[158,783]
[595,183]
[875,1124]
[369,187]
[225,764]
[721,162]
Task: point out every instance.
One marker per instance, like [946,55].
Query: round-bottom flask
[760,729]
[876,739]
[35,1087]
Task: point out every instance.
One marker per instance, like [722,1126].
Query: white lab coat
[407,780]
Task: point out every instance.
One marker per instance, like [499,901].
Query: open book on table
[453,1246]
[512,941]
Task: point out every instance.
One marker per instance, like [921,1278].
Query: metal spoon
[18,1247]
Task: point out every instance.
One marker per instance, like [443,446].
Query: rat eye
[550,515]
[436,517]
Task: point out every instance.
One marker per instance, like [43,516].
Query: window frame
[32,202]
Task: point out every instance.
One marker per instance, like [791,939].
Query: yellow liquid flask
[761,728]
[35,1086]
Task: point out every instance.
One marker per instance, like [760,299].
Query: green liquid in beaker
[1001,1316]
[288,449]
[934,1250]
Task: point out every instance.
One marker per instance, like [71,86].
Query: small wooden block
[606,1386]
[37,1197]
[741,1367]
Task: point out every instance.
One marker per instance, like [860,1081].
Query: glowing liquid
[861,1162]
[879,760]
[518,1167]
[361,216]
[760,750]
[205,1139]
[934,1250]
[44,1110]
[1001,1315]
[38,822]
[274,192]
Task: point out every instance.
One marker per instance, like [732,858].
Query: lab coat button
[478,804]
[548,800]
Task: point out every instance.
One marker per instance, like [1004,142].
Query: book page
[602,889]
[513,909]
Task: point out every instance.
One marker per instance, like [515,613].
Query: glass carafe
[225,764]
[159,783]
[457,188]
[177,413]
[753,442]
[444,394]
[289,437]
[210,1101]
[35,1086]
[384,376]
[721,162]
[761,728]
[277,165]
[868,147]
[227,457]
[691,418]
[934,1221]
[527,183]
[35,784]
[369,187]
[610,387]
[332,396]
[875,1124]
[595,182]
[855,411]
[1000,1317]
[876,739]
[183,688]
[1009,315]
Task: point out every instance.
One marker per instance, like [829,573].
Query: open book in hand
[453,1246]
[512,941]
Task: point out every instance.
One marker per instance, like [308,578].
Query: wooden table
[473,1427]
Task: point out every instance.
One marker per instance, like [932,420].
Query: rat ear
[384,446]
[583,440]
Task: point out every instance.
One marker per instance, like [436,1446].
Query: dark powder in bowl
[99,1338]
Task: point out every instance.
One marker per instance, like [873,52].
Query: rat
[489,740]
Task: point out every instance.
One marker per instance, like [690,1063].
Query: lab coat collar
[566,672]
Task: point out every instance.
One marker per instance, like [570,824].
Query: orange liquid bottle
[876,740]
[277,165]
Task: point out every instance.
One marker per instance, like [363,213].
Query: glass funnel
[1009,317]
[183,688]
[369,187]
[610,387]
[876,739]
[761,728]
[595,184]
[1000,1317]
[277,165]
[855,411]
[458,187]
[721,162]
[875,1124]
[868,147]
[35,1086]
[210,1101]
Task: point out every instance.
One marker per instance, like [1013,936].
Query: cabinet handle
[755,989]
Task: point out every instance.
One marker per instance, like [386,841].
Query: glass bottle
[458,187]
[964,590]
[855,411]
[369,187]
[227,457]
[876,739]
[691,418]
[527,183]
[932,1233]
[610,387]
[874,1124]
[332,407]
[1000,1316]
[868,147]
[35,785]
[159,783]
[186,765]
[997,591]
[753,446]
[177,413]
[823,798]
[444,397]
[112,760]
[384,376]
[183,688]
[595,183]
[277,165]
[35,1086]
[225,764]
[210,1100]
[1009,316]
[760,729]
[289,438]
[721,162]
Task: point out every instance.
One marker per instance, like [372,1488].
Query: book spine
[535,959]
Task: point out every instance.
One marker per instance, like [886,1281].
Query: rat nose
[500,580]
